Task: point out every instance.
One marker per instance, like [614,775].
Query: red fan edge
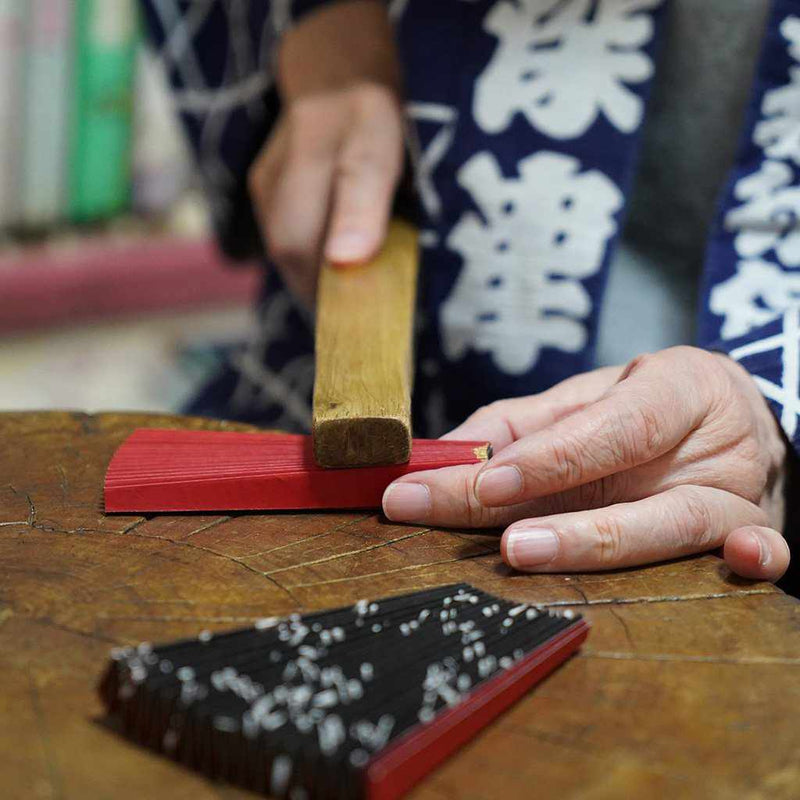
[157,470]
[404,763]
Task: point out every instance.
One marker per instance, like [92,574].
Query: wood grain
[364,349]
[688,686]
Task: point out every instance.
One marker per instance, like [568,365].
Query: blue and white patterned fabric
[751,307]
[527,115]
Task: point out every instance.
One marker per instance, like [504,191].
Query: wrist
[340,45]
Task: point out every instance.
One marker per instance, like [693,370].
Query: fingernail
[498,485]
[530,547]
[764,550]
[347,246]
[407,502]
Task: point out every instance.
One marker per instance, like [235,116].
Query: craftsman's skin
[675,453]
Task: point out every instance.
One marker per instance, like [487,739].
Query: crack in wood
[351,578]
[41,526]
[214,524]
[336,529]
[349,553]
[31,507]
[233,559]
[48,622]
[673,598]
[135,524]
[64,483]
[625,628]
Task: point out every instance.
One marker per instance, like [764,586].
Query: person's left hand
[677,453]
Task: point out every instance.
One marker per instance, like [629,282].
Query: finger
[679,522]
[505,421]
[300,163]
[756,552]
[448,497]
[444,497]
[646,414]
[296,221]
[367,173]
[263,177]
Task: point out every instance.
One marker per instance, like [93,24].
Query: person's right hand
[323,184]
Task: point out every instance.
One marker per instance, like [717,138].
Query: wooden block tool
[364,356]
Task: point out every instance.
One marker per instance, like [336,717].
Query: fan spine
[410,758]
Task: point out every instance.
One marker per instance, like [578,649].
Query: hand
[323,184]
[677,453]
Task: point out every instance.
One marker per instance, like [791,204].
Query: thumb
[757,553]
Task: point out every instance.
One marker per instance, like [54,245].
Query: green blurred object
[106,39]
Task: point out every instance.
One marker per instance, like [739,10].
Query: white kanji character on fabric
[768,218]
[755,295]
[542,232]
[561,64]
[779,133]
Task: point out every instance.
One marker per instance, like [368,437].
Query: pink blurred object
[53,285]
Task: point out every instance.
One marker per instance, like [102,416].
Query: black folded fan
[358,702]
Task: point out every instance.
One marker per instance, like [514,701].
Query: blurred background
[112,293]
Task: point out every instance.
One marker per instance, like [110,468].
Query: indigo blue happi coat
[526,115]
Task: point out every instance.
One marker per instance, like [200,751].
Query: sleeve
[751,292]
[219,59]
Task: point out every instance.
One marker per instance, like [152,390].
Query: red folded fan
[179,470]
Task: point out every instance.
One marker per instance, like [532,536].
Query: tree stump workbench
[688,686]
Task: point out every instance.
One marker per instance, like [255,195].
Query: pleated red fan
[179,470]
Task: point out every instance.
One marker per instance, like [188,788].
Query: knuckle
[609,540]
[496,409]
[688,353]
[692,521]
[477,515]
[306,111]
[374,96]
[636,364]
[748,471]
[646,432]
[361,156]
[694,358]
[312,133]
[482,414]
[488,412]
[303,149]
[567,461]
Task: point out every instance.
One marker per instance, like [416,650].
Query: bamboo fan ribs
[182,470]
[359,702]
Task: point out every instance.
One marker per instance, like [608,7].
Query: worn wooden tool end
[364,348]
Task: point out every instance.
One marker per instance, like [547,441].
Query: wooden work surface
[689,685]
